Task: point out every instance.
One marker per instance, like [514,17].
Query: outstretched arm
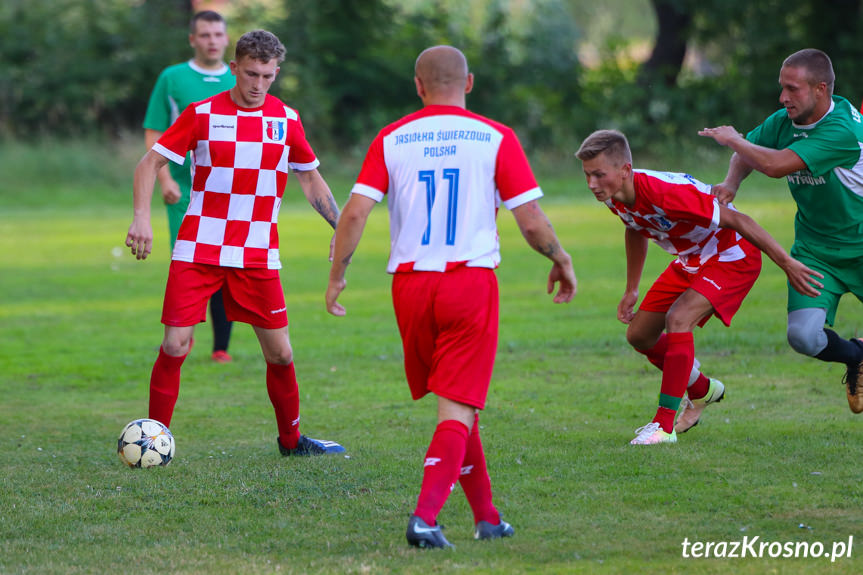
[350,228]
[539,233]
[801,277]
[636,255]
[140,235]
[773,163]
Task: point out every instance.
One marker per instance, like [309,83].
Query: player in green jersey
[815,142]
[203,76]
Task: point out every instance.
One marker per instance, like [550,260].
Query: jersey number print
[451,176]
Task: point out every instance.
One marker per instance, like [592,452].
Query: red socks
[443,464]
[165,386]
[700,388]
[285,396]
[475,481]
[675,375]
[656,354]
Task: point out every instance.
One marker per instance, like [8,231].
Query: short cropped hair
[206,16]
[817,64]
[610,142]
[260,45]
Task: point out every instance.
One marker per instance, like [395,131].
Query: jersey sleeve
[514,179]
[828,148]
[179,138]
[374,179]
[158,116]
[301,158]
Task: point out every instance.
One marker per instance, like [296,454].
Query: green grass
[79,330]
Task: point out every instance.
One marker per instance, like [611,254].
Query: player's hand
[170,191]
[334,289]
[725,193]
[565,275]
[802,279]
[140,239]
[722,134]
[626,307]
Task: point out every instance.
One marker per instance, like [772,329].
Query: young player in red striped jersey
[714,270]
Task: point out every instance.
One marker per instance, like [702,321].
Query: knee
[639,340]
[804,341]
[679,323]
[284,355]
[176,347]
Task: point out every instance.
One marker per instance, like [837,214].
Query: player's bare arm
[140,235]
[318,194]
[352,222]
[539,233]
[636,254]
[773,163]
[800,276]
[738,170]
[170,187]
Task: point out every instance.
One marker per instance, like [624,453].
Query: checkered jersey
[444,170]
[240,161]
[681,215]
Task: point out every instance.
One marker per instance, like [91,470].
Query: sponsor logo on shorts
[280,310]
[711,282]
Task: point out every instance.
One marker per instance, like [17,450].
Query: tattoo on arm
[347,259]
[328,209]
[547,250]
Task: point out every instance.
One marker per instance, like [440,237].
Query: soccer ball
[145,443]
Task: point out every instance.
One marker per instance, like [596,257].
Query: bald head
[442,71]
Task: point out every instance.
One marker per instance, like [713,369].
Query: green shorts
[843,273]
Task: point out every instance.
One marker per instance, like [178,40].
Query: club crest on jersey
[659,221]
[275,130]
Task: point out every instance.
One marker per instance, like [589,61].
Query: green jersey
[177,87]
[829,194]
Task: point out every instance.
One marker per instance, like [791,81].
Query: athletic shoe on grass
[307,446]
[692,409]
[485,530]
[419,534]
[651,434]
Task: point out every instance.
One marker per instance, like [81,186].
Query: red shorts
[448,323]
[252,296]
[724,284]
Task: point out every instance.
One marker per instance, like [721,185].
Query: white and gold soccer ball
[145,443]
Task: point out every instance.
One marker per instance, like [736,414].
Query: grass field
[779,459]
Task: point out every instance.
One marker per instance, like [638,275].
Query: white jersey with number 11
[444,170]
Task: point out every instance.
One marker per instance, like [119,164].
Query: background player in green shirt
[814,142]
[178,86]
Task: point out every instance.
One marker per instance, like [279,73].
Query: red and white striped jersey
[680,214]
[240,161]
[445,170]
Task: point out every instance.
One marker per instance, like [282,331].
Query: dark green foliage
[73,67]
[87,66]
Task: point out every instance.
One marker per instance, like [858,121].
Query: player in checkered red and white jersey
[441,170]
[243,144]
[714,270]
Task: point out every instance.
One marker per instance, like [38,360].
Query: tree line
[79,67]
